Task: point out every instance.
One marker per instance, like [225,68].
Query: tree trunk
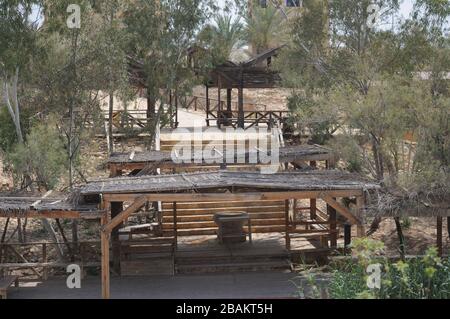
[151,107]
[13,105]
[71,138]
[110,124]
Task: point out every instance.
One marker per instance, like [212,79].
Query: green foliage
[43,156]
[419,278]
[222,38]
[8,136]
[265,28]
[311,114]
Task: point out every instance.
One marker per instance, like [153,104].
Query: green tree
[265,28]
[223,37]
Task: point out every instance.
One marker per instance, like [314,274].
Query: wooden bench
[5,284]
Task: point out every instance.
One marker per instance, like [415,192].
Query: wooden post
[439,236]
[360,206]
[347,236]
[241,123]
[44,260]
[208,106]
[229,97]
[219,98]
[116,209]
[288,238]
[105,260]
[313,201]
[333,226]
[175,225]
[448,226]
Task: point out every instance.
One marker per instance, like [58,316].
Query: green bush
[42,157]
[419,278]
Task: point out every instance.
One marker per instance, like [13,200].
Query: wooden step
[213,231]
[210,217]
[192,205]
[210,224]
[213,210]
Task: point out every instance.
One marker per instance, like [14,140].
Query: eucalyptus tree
[160,33]
[17,34]
[376,82]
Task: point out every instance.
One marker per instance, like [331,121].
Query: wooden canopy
[23,206]
[253,74]
[158,159]
[291,181]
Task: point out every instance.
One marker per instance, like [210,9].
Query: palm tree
[265,28]
[224,37]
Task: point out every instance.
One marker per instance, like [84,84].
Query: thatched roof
[290,181]
[286,155]
[249,74]
[21,204]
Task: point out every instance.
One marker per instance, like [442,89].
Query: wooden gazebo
[256,73]
[111,194]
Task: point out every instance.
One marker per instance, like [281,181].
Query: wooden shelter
[147,162]
[229,186]
[256,73]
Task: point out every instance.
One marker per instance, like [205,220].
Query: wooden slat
[232,197]
[213,210]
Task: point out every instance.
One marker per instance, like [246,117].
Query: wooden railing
[199,103]
[13,258]
[251,118]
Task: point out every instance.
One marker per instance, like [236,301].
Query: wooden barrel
[231,227]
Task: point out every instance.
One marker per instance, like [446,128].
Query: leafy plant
[419,278]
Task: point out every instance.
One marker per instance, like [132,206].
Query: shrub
[419,278]
[42,157]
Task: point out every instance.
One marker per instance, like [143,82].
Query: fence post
[44,260]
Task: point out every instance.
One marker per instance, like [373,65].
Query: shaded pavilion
[111,194]
[257,73]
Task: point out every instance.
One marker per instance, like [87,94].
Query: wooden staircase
[152,256]
[197,219]
[232,260]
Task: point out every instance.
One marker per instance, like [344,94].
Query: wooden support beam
[189,197]
[288,238]
[241,115]
[123,216]
[341,209]
[439,236]
[360,206]
[347,236]
[50,215]
[116,209]
[105,236]
[44,261]
[333,225]
[175,225]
